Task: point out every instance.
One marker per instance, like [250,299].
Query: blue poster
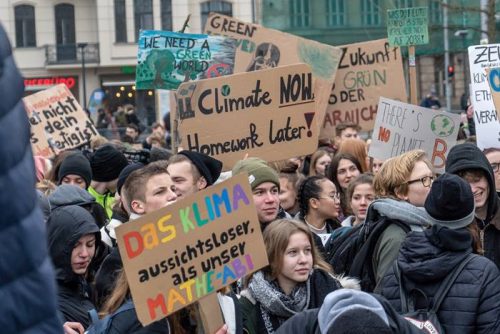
[166,59]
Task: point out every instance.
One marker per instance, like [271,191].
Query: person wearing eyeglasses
[467,161]
[319,203]
[493,156]
[401,186]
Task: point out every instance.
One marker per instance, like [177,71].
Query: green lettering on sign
[408,26]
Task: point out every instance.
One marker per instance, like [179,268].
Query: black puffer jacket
[468,156]
[473,302]
[27,284]
[66,225]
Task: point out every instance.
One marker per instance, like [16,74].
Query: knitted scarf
[274,303]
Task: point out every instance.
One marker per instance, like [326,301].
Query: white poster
[402,127]
[482,57]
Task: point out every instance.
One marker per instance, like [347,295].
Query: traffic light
[451,71]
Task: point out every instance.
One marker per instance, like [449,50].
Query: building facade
[91,44]
[339,22]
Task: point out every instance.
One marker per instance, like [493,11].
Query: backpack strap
[402,291]
[448,282]
[444,287]
[94,317]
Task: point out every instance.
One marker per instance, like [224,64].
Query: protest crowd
[352,243]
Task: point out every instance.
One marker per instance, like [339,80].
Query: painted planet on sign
[442,125]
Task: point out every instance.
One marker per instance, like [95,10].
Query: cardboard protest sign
[268,114]
[166,59]
[192,248]
[402,127]
[57,121]
[482,57]
[366,71]
[260,48]
[494,81]
[408,26]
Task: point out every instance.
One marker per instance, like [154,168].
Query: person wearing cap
[75,169]
[472,304]
[467,161]
[192,171]
[265,185]
[106,163]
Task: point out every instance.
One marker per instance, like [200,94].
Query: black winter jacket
[473,301]
[27,283]
[468,156]
[66,225]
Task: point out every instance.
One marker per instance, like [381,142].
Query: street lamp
[82,47]
[463,34]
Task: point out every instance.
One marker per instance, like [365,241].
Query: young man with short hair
[148,189]
[192,171]
[132,131]
[467,161]
[345,130]
[265,185]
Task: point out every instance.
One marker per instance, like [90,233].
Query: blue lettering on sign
[495,84]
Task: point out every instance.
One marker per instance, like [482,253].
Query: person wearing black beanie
[426,260]
[467,161]
[106,163]
[75,169]
[192,171]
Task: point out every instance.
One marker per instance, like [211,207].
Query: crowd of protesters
[354,244]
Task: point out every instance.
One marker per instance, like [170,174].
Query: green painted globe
[442,125]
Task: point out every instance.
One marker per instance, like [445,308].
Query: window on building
[299,13]
[65,32]
[435,12]
[222,7]
[335,11]
[370,12]
[405,3]
[120,22]
[166,15]
[143,15]
[25,26]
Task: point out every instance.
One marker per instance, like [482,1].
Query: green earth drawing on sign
[442,125]
[158,71]
[323,61]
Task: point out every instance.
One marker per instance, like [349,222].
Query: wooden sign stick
[211,313]
[413,74]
